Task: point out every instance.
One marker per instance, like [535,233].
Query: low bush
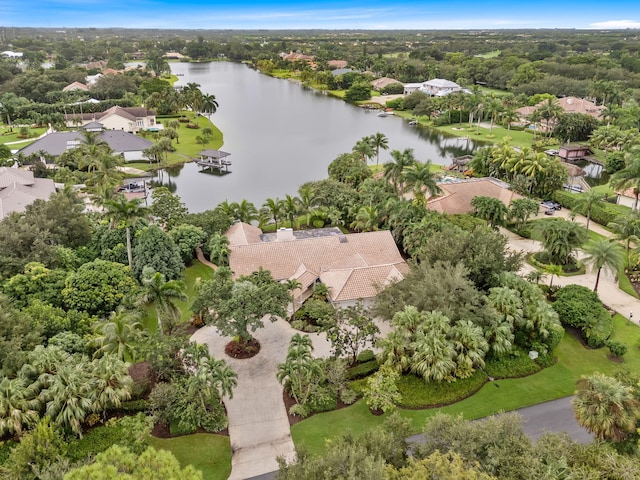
[617,348]
[362,370]
[416,393]
[323,400]
[512,366]
[602,214]
[365,356]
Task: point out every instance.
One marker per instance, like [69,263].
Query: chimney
[285,235]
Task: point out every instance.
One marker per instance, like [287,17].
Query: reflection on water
[281,135]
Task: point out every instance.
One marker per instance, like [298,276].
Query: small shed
[459,164]
[574,152]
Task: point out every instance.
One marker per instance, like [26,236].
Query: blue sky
[289,14]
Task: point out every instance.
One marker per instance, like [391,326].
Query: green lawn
[502,395]
[517,138]
[209,453]
[188,147]
[7,136]
[191,274]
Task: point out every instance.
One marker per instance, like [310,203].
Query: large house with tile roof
[456,196]
[354,267]
[19,189]
[127,144]
[127,119]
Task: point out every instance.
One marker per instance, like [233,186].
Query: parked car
[574,188]
[551,205]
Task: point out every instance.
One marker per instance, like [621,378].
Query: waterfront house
[457,194]
[127,119]
[352,266]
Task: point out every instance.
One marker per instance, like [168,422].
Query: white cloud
[616,24]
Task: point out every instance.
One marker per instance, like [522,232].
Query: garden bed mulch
[242,351]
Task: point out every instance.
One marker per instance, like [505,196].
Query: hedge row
[602,214]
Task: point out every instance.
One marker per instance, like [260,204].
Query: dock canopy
[214,154]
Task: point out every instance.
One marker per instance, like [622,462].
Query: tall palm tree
[209,104]
[291,208]
[394,170]
[587,201]
[128,212]
[192,97]
[18,409]
[550,110]
[379,141]
[117,335]
[273,209]
[626,228]
[604,254]
[629,176]
[299,368]
[493,108]
[307,202]
[606,407]
[364,148]
[162,294]
[421,179]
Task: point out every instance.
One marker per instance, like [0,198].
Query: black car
[551,205]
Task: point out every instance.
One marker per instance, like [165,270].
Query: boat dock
[214,160]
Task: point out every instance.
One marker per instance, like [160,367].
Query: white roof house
[438,87]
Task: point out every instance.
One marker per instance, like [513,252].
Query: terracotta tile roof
[352,264]
[359,283]
[383,82]
[456,197]
[243,234]
[337,63]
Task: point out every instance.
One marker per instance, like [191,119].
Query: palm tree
[552,270]
[209,104]
[367,219]
[508,116]
[293,284]
[128,212]
[307,202]
[245,211]
[604,254]
[550,110]
[629,176]
[587,201]
[111,383]
[273,208]
[162,294]
[493,108]
[118,335]
[17,407]
[291,208]
[68,398]
[606,407]
[299,368]
[626,228]
[379,141]
[192,97]
[420,178]
[364,148]
[470,347]
[560,238]
[394,170]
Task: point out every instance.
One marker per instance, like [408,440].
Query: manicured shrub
[512,366]
[617,348]
[363,370]
[322,400]
[348,396]
[365,356]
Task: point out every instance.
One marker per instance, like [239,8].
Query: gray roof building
[55,144]
[19,188]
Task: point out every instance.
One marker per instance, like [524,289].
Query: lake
[281,134]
